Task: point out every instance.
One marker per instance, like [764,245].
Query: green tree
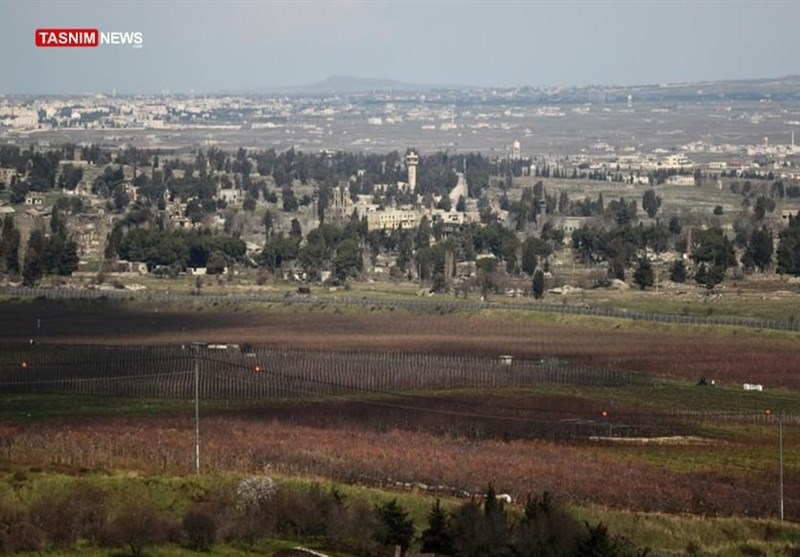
[762,207]
[758,252]
[437,537]
[495,526]
[70,177]
[290,203]
[349,260]
[121,198]
[404,250]
[423,236]
[67,261]
[35,254]
[461,204]
[313,256]
[713,247]
[216,263]
[532,249]
[529,260]
[709,275]
[643,275]
[424,261]
[545,529]
[674,225]
[621,212]
[9,246]
[538,284]
[677,271]
[278,249]
[444,204]
[616,268]
[651,202]
[296,231]
[268,223]
[58,223]
[394,526]
[788,255]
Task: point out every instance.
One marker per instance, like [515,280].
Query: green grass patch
[21,408]
[672,395]
[672,535]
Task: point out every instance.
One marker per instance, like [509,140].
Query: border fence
[229,372]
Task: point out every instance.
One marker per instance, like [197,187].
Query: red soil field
[579,472]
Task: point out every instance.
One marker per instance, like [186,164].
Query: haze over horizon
[214,46]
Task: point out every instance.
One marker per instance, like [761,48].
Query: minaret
[412,160]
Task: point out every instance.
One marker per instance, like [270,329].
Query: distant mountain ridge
[344,84]
[348,84]
[352,84]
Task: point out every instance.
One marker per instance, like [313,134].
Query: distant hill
[777,88]
[346,84]
[778,85]
[350,84]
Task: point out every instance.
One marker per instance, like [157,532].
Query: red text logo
[67,37]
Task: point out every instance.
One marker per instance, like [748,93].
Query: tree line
[256,510]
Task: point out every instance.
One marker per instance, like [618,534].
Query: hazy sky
[211,46]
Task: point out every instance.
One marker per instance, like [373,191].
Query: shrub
[17,533]
[351,528]
[254,510]
[255,493]
[53,517]
[200,530]
[546,530]
[137,526]
[306,513]
[79,512]
[692,548]
[751,551]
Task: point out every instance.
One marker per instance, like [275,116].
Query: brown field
[690,353]
[523,440]
[579,472]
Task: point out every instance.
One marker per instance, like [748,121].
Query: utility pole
[196,346]
[780,457]
[197,414]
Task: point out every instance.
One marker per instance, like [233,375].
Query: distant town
[459,190]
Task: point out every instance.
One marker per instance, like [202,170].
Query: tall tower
[516,152]
[412,160]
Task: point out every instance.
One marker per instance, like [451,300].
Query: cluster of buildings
[408,216]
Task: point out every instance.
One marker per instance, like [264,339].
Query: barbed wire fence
[228,372]
[395,382]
